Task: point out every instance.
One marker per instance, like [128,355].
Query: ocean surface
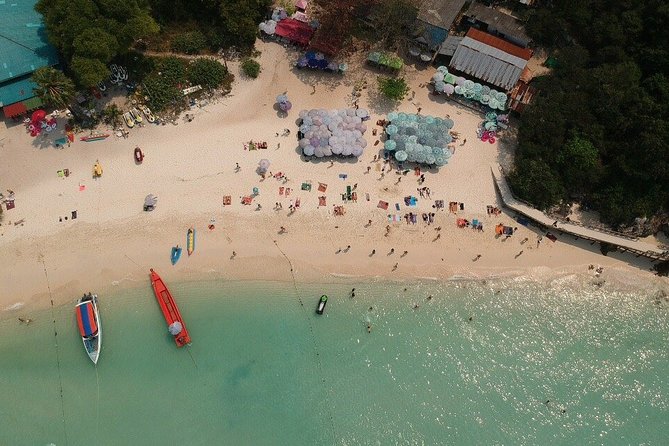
[557,362]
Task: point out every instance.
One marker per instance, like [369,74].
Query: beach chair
[322,187]
[354,197]
[322,201]
[348,192]
[297,203]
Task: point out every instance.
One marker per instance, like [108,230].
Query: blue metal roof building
[24,47]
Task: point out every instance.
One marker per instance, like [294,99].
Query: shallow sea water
[265,370]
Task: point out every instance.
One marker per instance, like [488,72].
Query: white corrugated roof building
[490,59]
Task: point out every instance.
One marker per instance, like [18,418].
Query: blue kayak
[176,254]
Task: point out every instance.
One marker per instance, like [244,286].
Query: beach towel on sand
[382,204]
[322,201]
[322,187]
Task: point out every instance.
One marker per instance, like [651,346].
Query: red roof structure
[500,44]
[521,96]
[295,31]
[14,109]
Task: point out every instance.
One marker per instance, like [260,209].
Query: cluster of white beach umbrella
[333,132]
[445,82]
[419,139]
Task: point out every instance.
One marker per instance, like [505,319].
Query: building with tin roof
[23,49]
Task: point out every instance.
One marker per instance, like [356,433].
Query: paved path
[637,246]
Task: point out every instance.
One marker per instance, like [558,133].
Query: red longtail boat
[175,323]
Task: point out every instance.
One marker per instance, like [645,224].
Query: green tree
[88,72]
[90,33]
[112,115]
[393,88]
[191,42]
[251,68]
[395,20]
[534,180]
[53,87]
[95,43]
[208,73]
[579,163]
[240,18]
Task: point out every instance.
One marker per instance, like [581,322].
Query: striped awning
[86,319]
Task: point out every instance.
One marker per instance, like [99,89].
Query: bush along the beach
[393,88]
[251,68]
[208,73]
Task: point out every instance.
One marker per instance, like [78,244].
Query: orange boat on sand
[175,323]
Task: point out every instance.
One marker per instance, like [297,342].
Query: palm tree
[53,87]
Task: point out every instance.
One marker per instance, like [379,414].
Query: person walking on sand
[369,168]
[234,254]
[392,250]
[282,230]
[237,168]
[373,251]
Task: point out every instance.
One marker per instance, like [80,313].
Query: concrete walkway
[626,243]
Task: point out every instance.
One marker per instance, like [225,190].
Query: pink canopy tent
[301,5]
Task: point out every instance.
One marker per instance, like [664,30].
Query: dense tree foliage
[89,33]
[208,73]
[223,22]
[53,87]
[393,88]
[598,132]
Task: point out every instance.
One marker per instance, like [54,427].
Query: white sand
[192,165]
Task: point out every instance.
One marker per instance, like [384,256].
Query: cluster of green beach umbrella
[419,139]
[445,82]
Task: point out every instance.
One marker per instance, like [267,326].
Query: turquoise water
[264,370]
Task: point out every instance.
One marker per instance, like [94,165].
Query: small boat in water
[176,254]
[88,320]
[190,240]
[175,323]
[321,304]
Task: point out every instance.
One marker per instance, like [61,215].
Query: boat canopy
[86,319]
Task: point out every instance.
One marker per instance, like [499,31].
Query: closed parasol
[175,328]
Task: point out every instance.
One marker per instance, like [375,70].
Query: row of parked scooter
[133,116]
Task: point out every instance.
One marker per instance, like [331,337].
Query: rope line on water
[97,404]
[55,335]
[191,355]
[313,335]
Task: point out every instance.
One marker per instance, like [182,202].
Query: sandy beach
[192,166]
